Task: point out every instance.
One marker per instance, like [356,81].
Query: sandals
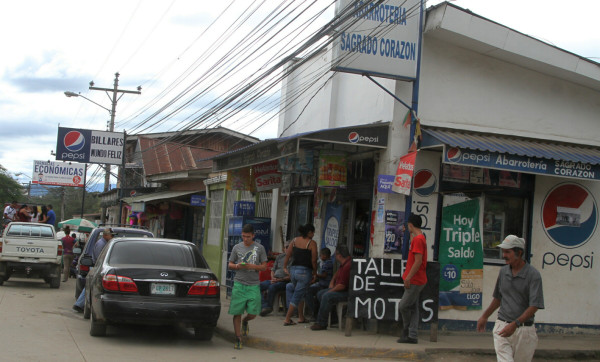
[304,321]
[291,323]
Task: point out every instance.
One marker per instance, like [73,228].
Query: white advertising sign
[58,173]
[106,147]
[380,38]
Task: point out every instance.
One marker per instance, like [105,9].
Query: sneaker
[77,309]
[266,311]
[238,343]
[408,340]
[245,328]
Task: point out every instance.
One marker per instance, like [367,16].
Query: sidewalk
[269,333]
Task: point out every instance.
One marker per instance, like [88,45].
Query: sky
[167,47]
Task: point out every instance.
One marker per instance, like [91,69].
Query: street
[38,324]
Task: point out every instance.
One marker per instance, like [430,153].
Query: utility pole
[115,90]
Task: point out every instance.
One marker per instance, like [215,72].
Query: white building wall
[328,101]
[467,90]
[570,275]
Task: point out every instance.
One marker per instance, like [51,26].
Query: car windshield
[156,253]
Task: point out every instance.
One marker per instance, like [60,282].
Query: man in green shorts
[247,259]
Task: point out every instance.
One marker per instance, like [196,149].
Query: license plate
[162,289]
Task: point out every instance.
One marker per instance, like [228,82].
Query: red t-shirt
[418,245]
[343,274]
[68,243]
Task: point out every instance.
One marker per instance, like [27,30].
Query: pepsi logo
[424,183]
[353,137]
[453,154]
[74,141]
[569,215]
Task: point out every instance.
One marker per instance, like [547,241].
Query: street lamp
[73,94]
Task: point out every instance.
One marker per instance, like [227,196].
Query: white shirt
[10,212]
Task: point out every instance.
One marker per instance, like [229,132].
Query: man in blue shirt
[107,235]
[321,280]
[51,216]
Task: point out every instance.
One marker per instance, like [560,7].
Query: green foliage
[10,189]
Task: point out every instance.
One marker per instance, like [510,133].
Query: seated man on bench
[338,288]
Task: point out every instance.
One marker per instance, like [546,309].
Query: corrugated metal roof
[516,146]
[157,196]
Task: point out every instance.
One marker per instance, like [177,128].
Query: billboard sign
[58,173]
[379,38]
[88,146]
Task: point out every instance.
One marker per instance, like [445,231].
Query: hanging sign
[266,176]
[404,173]
[88,146]
[379,38]
[58,173]
[332,170]
[239,179]
[461,257]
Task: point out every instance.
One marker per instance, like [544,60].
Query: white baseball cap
[512,241]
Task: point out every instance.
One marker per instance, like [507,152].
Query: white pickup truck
[31,249]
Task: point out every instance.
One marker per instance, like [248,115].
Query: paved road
[38,324]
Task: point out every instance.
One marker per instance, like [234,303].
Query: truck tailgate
[30,247]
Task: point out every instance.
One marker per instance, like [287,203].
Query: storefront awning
[374,135]
[157,196]
[515,154]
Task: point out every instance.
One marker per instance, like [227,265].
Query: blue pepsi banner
[88,146]
[505,161]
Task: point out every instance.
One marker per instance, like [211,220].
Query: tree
[10,189]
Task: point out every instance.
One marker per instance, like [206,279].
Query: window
[504,203]
[502,216]
[156,253]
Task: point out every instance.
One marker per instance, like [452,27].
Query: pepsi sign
[569,215]
[74,141]
[517,163]
[424,182]
[88,146]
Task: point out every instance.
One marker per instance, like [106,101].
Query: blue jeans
[327,300]
[301,277]
[311,297]
[271,289]
[81,299]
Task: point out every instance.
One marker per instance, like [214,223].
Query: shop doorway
[300,213]
[356,227]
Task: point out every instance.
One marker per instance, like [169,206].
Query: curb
[268,344]
[322,350]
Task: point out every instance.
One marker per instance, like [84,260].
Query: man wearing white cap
[519,295]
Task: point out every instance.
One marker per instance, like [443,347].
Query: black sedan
[151,281]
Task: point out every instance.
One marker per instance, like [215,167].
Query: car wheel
[97,329]
[203,333]
[54,282]
[86,309]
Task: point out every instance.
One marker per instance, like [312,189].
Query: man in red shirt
[415,278]
[338,288]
